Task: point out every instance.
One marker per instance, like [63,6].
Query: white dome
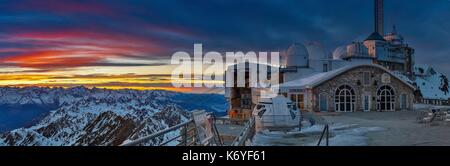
[339,52]
[357,49]
[316,51]
[297,56]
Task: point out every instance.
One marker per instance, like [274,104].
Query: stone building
[362,87]
[378,74]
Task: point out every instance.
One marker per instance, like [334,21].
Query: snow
[429,87]
[428,81]
[429,107]
[79,106]
[340,135]
[352,137]
[402,77]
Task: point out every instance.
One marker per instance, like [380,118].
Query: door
[386,99]
[323,103]
[366,103]
[403,102]
[345,99]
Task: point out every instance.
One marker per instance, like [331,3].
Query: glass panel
[294,98]
[301,101]
[366,102]
[405,102]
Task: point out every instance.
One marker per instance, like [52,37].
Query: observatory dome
[297,56]
[340,52]
[316,51]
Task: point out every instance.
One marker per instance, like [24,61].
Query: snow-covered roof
[318,78]
[403,77]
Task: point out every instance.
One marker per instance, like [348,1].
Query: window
[325,67]
[323,104]
[386,98]
[246,101]
[403,101]
[366,103]
[298,100]
[345,99]
[366,78]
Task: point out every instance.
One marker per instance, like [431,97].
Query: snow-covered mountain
[431,83]
[96,116]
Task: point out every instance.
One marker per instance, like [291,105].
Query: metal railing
[327,135]
[187,136]
[184,125]
[246,133]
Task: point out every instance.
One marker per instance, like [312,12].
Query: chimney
[379,17]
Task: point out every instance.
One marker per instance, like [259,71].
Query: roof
[246,65]
[375,36]
[319,78]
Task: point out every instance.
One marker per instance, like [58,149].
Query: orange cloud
[50,59]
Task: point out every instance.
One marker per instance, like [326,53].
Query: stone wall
[354,78]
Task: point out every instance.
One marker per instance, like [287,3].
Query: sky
[128,44]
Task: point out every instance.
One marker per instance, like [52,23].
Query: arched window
[345,99]
[385,98]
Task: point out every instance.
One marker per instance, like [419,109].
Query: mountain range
[39,116]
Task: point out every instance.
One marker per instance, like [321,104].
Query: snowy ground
[401,128]
[340,135]
[365,129]
[428,107]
